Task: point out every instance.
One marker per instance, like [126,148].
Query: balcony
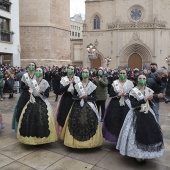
[6,36]
[5,5]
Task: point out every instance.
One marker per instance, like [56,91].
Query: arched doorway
[135,61]
[142,53]
[96,62]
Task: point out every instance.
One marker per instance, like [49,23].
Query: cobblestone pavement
[55,156]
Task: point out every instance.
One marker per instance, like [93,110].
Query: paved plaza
[55,156]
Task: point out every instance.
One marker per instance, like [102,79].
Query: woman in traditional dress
[118,107]
[65,102]
[36,124]
[82,127]
[141,136]
[26,84]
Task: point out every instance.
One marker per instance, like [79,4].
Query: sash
[81,91]
[119,89]
[37,88]
[139,96]
[27,79]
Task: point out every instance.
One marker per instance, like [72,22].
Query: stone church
[45,32]
[133,33]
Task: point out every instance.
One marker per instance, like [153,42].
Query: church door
[96,62]
[135,61]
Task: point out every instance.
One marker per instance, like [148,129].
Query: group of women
[129,121]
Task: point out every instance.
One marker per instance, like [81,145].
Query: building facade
[133,33]
[76,26]
[76,39]
[9,32]
[45,32]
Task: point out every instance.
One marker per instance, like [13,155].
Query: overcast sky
[77,6]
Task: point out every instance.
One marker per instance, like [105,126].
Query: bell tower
[45,32]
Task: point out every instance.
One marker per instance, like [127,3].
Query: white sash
[119,89]
[37,88]
[27,79]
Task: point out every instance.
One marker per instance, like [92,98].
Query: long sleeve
[112,93]
[46,93]
[64,88]
[104,82]
[91,97]
[135,103]
[24,86]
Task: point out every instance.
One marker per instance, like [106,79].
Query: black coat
[56,83]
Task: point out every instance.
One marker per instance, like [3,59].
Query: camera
[166,100]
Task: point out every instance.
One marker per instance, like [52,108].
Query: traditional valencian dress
[26,83]
[66,101]
[82,127]
[141,136]
[116,110]
[36,124]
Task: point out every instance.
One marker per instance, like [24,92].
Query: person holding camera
[101,91]
[157,84]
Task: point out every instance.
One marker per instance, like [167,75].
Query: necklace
[85,84]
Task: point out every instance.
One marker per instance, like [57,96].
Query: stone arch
[98,60]
[138,48]
[92,20]
[96,14]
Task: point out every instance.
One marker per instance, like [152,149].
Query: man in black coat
[56,82]
[157,84]
[48,76]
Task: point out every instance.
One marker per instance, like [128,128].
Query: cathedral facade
[45,32]
[133,33]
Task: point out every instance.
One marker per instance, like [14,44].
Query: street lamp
[91,50]
[108,60]
[168,60]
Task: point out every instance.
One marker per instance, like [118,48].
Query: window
[5,30]
[73,34]
[5,5]
[96,22]
[4,24]
[78,34]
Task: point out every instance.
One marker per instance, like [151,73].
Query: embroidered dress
[66,101]
[26,83]
[116,110]
[141,135]
[82,128]
[36,124]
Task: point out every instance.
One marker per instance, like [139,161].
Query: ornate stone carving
[136,25]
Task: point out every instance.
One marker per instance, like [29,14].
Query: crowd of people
[81,119]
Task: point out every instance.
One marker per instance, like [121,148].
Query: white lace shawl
[43,85]
[88,89]
[65,81]
[127,86]
[137,94]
